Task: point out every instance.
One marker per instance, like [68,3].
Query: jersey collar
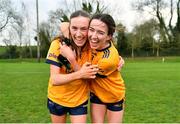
[105,48]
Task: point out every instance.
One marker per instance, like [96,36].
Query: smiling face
[98,35]
[79,30]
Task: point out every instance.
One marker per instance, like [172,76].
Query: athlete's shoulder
[54,49]
[110,52]
[110,56]
[55,41]
[113,46]
[113,50]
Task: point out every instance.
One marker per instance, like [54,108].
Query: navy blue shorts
[117,106]
[59,110]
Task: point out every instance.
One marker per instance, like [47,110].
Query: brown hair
[74,15]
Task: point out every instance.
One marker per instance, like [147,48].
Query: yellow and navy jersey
[73,93]
[53,55]
[108,84]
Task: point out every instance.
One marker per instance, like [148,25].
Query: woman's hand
[67,52]
[88,71]
[121,63]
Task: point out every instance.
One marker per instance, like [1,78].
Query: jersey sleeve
[53,53]
[107,66]
[109,61]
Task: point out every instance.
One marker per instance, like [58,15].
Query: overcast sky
[121,9]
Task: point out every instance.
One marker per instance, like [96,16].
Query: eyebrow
[97,30]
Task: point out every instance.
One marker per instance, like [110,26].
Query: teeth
[93,41]
[78,38]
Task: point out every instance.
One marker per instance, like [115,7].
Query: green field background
[152,91]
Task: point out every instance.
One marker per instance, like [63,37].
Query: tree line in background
[154,37]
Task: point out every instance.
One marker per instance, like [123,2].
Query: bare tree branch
[6,22]
[171,16]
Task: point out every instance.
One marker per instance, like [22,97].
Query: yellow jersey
[73,93]
[108,86]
